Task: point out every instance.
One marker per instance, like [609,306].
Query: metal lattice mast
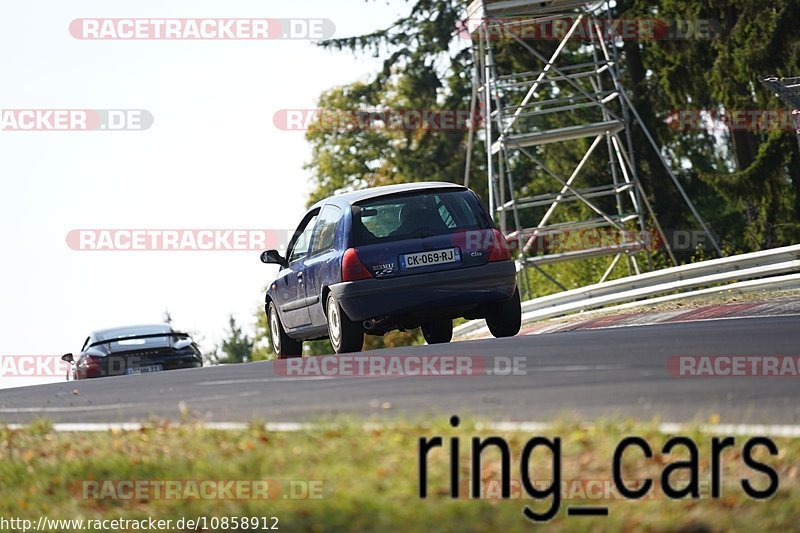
[591,96]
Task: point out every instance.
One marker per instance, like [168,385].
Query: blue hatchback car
[394,257]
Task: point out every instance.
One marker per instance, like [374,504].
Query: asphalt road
[596,373]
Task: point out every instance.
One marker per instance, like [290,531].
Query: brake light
[90,360]
[90,366]
[352,267]
[499,250]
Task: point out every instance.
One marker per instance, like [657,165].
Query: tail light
[91,360]
[352,267]
[90,366]
[499,250]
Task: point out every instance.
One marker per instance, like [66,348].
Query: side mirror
[67,357]
[273,257]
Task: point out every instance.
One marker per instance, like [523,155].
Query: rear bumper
[372,298]
[117,365]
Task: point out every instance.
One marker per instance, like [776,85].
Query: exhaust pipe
[369,324]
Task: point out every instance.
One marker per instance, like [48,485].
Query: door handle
[299,276]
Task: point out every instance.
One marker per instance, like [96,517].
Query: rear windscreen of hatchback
[416,215]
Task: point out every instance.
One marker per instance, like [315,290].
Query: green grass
[370,477]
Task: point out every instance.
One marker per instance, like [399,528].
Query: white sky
[212,159]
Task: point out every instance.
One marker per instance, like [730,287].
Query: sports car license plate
[436,257]
[144,369]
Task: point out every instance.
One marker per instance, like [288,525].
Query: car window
[417,215]
[301,244]
[325,231]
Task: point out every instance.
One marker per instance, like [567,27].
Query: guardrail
[742,267]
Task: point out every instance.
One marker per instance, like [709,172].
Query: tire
[438,332]
[285,347]
[345,335]
[505,318]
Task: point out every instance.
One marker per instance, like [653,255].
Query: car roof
[142,329]
[375,192]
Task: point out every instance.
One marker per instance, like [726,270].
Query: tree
[752,199]
[237,346]
[420,74]
[745,183]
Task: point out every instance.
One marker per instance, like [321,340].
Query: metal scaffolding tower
[788,90]
[558,101]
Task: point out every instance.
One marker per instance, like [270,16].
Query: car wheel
[284,346]
[345,335]
[505,318]
[438,332]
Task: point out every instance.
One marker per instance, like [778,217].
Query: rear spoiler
[454,187]
[176,334]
